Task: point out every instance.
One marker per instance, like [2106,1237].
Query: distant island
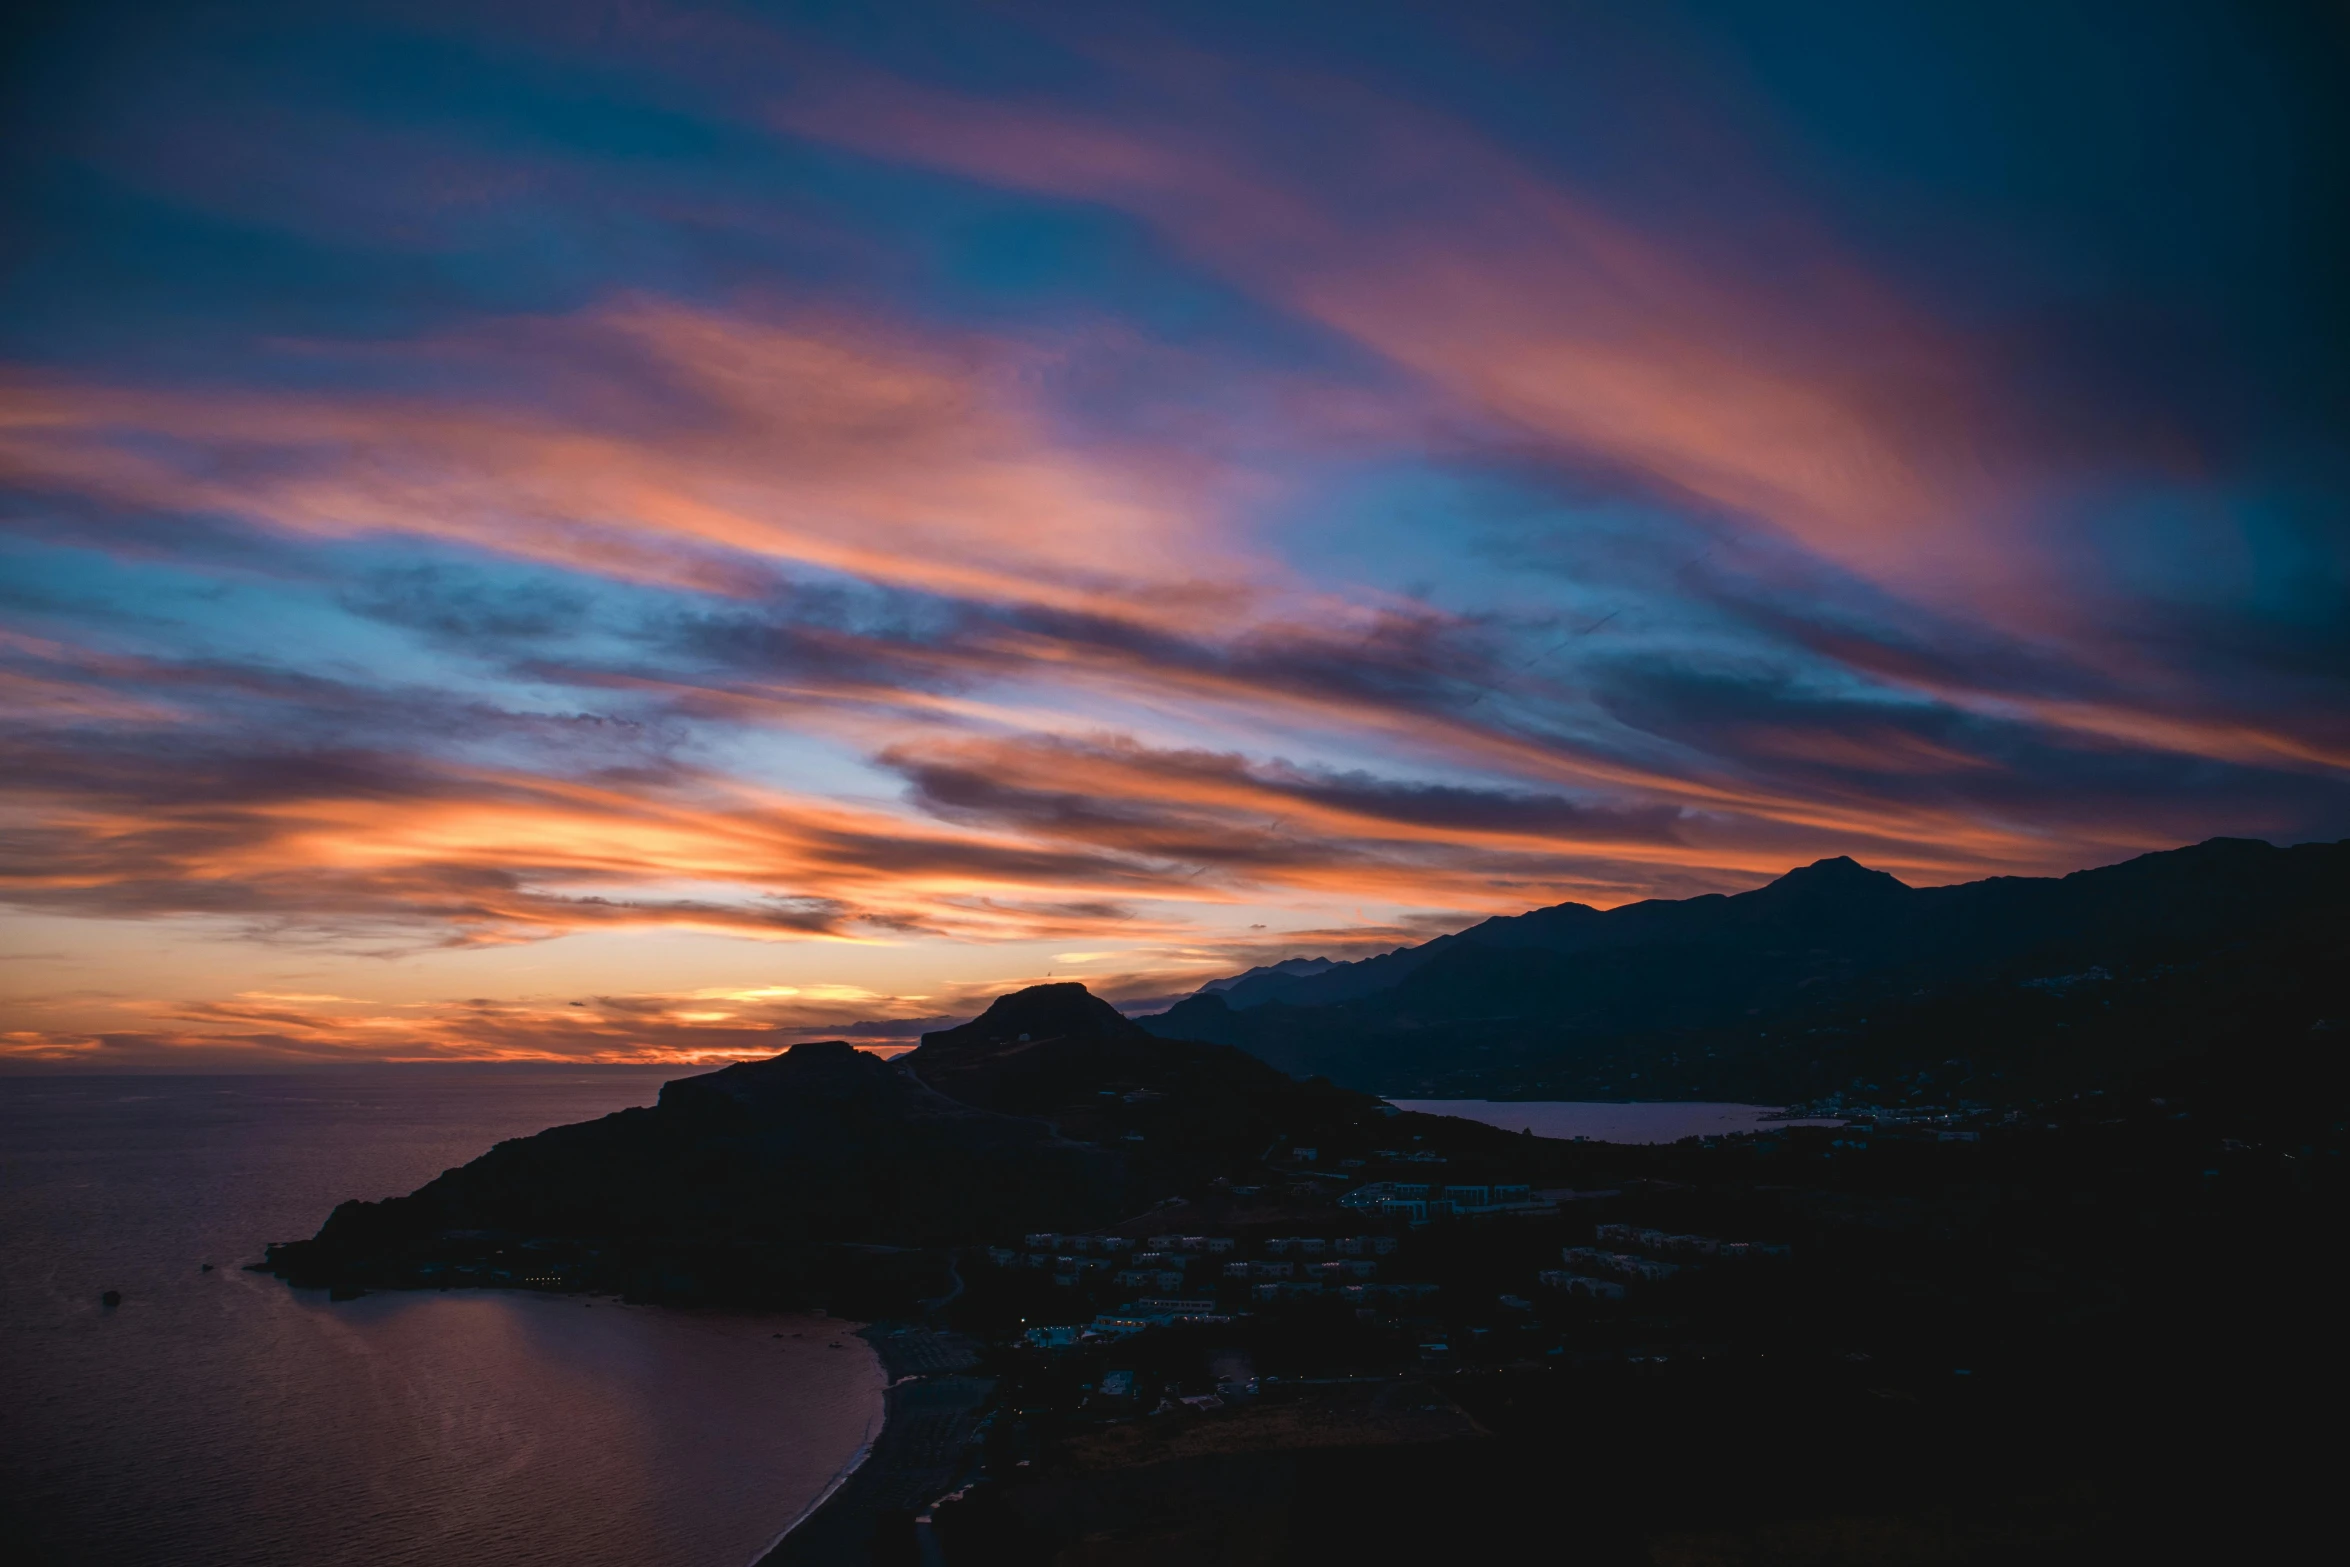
[1173,1302]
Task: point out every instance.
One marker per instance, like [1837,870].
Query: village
[1411,1267]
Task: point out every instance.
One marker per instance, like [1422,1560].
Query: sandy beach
[928,1415]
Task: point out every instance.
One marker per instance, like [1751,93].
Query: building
[1288,1289]
[1365,1294]
[1666,1243]
[1156,1310]
[1153,1311]
[1618,1264]
[1580,1284]
[1662,1241]
[1373,1193]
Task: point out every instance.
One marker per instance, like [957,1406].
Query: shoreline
[927,1411]
[841,1476]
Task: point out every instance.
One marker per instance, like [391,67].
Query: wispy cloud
[693,450]
[1806,396]
[1128,502]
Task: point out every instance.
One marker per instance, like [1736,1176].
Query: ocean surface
[223,1418]
[1638,1122]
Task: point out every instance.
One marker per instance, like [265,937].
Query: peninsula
[1152,1298]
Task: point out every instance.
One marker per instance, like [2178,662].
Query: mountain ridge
[1572,1001]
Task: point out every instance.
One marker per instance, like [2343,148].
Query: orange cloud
[248,1029]
[135,811]
[694,448]
[492,857]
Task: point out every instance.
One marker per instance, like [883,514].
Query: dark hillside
[1727,996]
[1050,1111]
[1180,1110]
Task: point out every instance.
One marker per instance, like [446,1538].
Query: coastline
[841,1477]
[928,1410]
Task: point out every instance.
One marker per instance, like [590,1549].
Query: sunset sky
[613,530]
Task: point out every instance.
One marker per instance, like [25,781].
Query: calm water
[224,1418]
[1663,1122]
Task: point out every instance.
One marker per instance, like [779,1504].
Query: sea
[1636,1122]
[221,1417]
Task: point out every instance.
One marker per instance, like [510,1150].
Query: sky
[648,531]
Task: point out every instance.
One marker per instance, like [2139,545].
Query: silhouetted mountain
[1769,993]
[1179,1111]
[1270,979]
[1049,1111]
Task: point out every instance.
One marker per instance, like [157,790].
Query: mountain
[1049,1111]
[1834,977]
[1269,980]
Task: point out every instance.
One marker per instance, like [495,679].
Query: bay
[1639,1121]
[223,1418]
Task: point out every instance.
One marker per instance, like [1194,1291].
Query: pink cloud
[1801,393]
[695,448]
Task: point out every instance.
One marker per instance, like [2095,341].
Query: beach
[930,1413]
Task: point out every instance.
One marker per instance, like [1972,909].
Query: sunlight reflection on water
[222,1418]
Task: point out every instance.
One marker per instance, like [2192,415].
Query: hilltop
[803,1175]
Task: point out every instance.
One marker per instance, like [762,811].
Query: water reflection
[1651,1122]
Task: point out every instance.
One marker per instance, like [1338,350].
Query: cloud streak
[1130,503]
[1817,403]
[694,451]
